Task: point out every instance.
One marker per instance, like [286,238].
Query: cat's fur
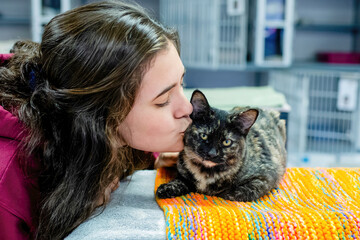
[246,170]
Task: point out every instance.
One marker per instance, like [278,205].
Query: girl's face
[160,114]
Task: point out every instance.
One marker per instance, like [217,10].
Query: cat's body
[227,155]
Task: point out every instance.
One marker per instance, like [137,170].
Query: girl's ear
[245,120]
[199,103]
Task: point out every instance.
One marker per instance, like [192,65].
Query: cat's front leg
[248,192]
[174,188]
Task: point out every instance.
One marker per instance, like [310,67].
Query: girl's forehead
[164,70]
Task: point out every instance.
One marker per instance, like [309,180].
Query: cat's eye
[227,142]
[203,136]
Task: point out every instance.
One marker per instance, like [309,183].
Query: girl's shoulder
[10,126]
[19,190]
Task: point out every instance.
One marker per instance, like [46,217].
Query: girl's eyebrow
[165,90]
[168,88]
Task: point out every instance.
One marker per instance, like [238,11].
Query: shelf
[326,66]
[250,66]
[327,28]
[326,134]
[275,24]
[14,21]
[23,21]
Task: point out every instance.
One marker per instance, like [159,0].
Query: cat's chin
[209,164]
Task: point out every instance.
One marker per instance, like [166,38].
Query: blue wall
[200,78]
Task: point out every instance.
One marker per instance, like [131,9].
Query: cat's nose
[212,152]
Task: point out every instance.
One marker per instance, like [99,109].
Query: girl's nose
[185,107]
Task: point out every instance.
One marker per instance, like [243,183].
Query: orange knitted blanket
[310,203]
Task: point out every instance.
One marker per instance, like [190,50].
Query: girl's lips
[183,130]
[186,127]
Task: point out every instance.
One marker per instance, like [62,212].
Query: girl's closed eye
[164,102]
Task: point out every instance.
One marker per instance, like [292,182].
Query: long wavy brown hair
[71,91]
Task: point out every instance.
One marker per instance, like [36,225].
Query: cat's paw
[164,191]
[241,194]
[170,190]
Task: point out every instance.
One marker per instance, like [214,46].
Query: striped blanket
[310,203]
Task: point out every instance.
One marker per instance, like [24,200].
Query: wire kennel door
[318,123]
[213,33]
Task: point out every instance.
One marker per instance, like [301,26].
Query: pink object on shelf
[339,57]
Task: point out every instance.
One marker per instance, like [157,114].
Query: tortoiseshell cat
[228,154]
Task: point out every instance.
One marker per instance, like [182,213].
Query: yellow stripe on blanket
[310,203]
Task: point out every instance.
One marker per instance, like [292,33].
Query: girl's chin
[177,148]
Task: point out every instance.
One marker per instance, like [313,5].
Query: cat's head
[216,138]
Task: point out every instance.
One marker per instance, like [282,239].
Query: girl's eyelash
[163,104]
[167,101]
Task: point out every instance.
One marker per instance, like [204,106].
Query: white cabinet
[41,16]
[213,33]
[330,26]
[318,128]
[274,33]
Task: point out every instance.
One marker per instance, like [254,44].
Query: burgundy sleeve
[4,57]
[12,227]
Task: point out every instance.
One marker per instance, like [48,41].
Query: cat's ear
[199,103]
[245,120]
